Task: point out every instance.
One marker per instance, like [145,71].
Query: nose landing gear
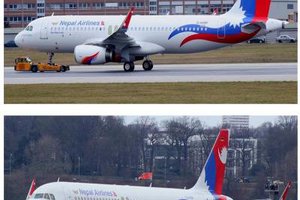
[50,57]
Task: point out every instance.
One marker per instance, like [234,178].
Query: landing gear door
[44,31]
[221,29]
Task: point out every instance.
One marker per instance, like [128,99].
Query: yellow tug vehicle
[26,64]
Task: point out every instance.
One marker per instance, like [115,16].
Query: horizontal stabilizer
[253,27]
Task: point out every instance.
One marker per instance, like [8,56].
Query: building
[236,121]
[18,13]
[242,155]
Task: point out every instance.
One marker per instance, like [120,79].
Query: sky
[210,121]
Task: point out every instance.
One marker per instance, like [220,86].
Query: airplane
[97,40]
[208,186]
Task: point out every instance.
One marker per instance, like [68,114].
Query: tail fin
[256,9]
[285,191]
[31,189]
[212,174]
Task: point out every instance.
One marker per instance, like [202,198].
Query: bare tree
[146,126]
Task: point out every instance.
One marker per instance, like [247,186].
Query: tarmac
[160,73]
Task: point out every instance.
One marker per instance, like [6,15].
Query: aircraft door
[44,31]
[221,29]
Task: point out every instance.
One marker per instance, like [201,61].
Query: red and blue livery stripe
[254,11]
[88,59]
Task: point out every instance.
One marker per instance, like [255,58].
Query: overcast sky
[210,121]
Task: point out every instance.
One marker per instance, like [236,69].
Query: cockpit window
[44,196]
[38,196]
[29,28]
[52,197]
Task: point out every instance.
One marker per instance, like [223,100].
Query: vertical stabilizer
[31,189]
[285,191]
[258,10]
[213,172]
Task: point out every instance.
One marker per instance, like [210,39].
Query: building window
[83,5]
[31,5]
[71,6]
[290,6]
[40,10]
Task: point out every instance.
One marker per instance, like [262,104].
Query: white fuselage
[51,34]
[79,191]
[153,34]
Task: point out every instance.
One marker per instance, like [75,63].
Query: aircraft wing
[124,44]
[119,37]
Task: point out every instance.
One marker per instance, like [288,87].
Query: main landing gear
[147,65]
[129,66]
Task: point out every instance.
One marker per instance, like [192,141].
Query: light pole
[79,165]
[10,160]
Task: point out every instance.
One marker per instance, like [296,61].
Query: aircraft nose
[18,40]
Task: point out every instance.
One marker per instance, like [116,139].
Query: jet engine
[90,54]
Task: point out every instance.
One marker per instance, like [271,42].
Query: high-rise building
[236,121]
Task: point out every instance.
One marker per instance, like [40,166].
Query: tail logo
[223,155]
[239,15]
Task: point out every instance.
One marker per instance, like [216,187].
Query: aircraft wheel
[34,68]
[147,65]
[128,66]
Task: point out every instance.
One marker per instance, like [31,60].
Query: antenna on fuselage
[58,179]
[52,14]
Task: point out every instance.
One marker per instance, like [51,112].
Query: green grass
[228,92]
[245,53]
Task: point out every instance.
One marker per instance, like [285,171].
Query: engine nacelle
[90,54]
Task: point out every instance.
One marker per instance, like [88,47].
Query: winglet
[286,189]
[126,21]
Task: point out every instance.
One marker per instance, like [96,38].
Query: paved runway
[160,73]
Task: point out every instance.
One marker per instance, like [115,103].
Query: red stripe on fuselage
[228,39]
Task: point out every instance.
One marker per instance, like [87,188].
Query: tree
[147,130]
[180,130]
[47,157]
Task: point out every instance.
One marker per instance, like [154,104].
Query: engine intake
[92,55]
